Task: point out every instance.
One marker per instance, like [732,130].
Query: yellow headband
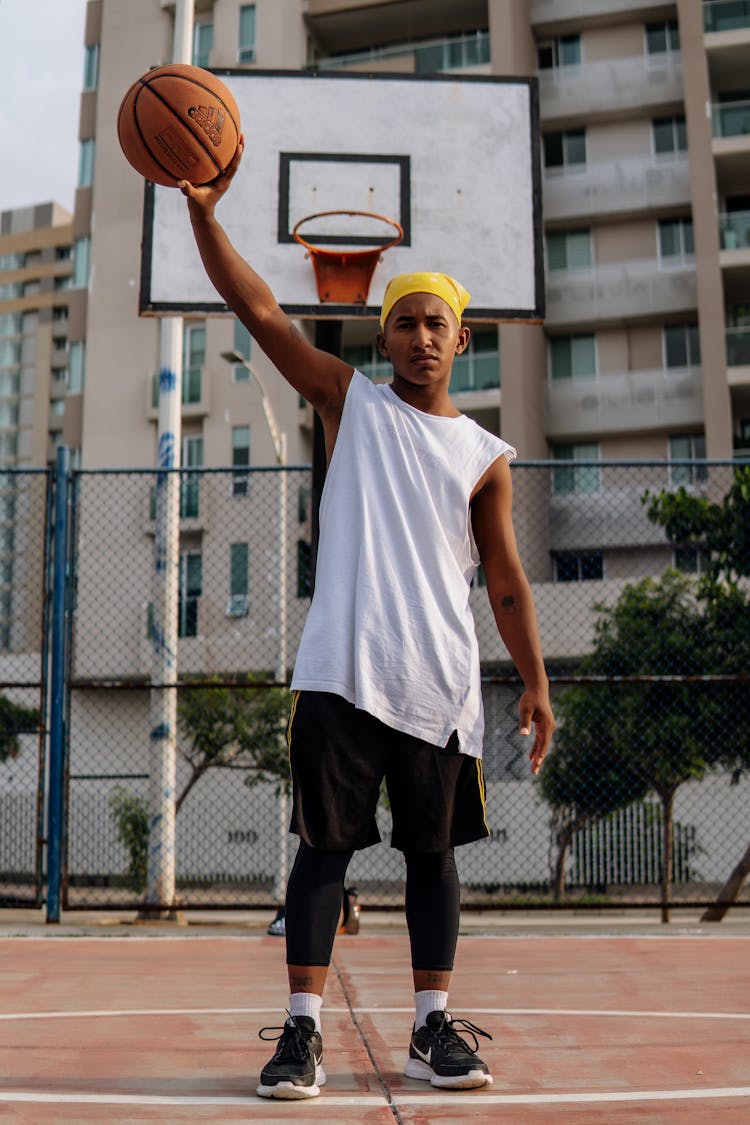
[447,288]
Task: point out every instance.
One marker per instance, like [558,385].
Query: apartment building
[40,355]
[645,350]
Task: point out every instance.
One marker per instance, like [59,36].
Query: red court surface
[137,1025]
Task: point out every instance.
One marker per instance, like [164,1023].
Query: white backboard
[454,160]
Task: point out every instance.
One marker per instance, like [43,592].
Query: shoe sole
[415,1068]
[288,1092]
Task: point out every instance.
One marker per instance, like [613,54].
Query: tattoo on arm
[508,605]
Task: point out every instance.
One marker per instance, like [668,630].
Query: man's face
[421,338]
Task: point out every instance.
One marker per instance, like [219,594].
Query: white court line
[431,1097]
[607,1013]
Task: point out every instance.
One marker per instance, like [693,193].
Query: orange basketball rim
[344,276]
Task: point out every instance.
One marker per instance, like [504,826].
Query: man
[386,681]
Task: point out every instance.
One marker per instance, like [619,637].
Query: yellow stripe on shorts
[290,720]
[482,793]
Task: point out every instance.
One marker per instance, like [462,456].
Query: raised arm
[320,378]
[512,602]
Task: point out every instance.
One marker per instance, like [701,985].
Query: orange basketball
[178,122]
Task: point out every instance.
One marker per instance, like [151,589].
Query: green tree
[233,726]
[15,720]
[721,533]
[647,732]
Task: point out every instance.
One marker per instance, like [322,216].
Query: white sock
[306,1004]
[428,1001]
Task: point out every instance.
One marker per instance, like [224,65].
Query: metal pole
[160,894]
[55,806]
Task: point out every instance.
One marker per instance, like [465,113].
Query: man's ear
[381,344]
[462,343]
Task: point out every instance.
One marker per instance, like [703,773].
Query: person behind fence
[386,683]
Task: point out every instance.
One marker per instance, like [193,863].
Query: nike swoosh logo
[425,1057]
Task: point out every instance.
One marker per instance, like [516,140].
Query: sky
[41,75]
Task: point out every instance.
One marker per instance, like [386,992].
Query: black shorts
[339,757]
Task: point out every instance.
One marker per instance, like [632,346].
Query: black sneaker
[296,1069]
[438,1054]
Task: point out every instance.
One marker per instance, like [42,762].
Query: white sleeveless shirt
[390,627]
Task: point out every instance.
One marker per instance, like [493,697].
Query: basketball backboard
[455,161]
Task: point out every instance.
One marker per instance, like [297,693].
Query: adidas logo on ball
[210,119]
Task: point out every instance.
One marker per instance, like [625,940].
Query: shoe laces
[452,1041]
[293,1043]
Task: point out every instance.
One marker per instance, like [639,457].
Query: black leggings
[315,894]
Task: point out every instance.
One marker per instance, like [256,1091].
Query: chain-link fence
[24,628]
[643,796]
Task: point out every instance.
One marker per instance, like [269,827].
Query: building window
[572,357]
[662,38]
[246,48]
[669,135]
[676,239]
[190,586]
[565,149]
[81,262]
[193,360]
[86,162]
[203,41]
[304,496]
[91,67]
[304,569]
[574,566]
[243,342]
[570,477]
[367,359]
[239,560]
[192,458]
[689,560]
[240,459]
[681,345]
[565,50]
[77,366]
[687,447]
[478,368]
[569,250]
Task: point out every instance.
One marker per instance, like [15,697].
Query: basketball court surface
[112,1021]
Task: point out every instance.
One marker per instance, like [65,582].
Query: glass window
[77,366]
[246,49]
[243,342]
[561,150]
[577,567]
[681,345]
[240,459]
[575,478]
[690,448]
[676,238]
[573,357]
[478,369]
[190,588]
[86,162]
[91,67]
[193,360]
[81,262]
[203,41]
[669,134]
[662,37]
[569,250]
[367,359]
[239,558]
[192,458]
[565,50]
[304,569]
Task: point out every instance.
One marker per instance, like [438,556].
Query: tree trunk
[564,838]
[195,776]
[667,801]
[728,893]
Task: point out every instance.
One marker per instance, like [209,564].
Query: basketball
[178,122]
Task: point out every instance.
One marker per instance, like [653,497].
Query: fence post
[56,791]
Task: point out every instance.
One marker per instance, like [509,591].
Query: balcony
[608,518]
[635,288]
[738,356]
[618,187]
[196,398]
[467,51]
[632,400]
[615,86]
[562,15]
